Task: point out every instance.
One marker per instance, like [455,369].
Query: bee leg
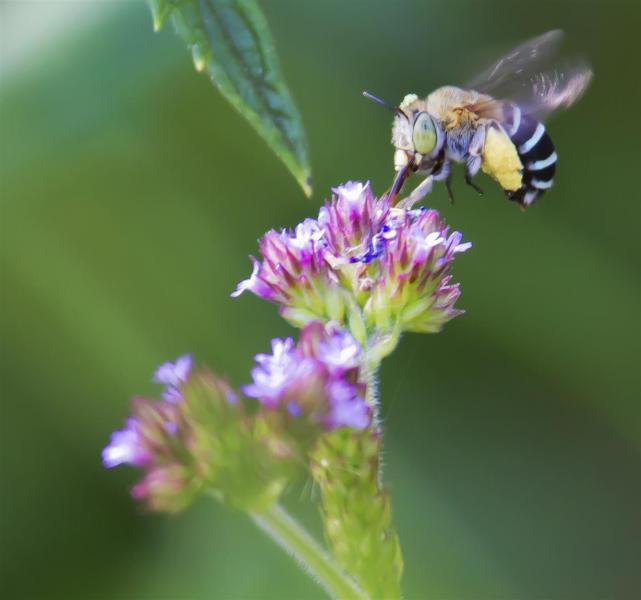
[468,180]
[401,175]
[445,174]
[473,160]
[476,144]
[448,187]
[419,192]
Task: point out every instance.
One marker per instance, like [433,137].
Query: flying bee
[494,124]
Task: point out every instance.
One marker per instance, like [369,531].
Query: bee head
[416,137]
[415,134]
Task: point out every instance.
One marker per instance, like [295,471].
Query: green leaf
[230,39]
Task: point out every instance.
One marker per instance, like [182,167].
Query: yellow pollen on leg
[501,160]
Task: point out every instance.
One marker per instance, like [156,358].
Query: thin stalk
[371,378]
[290,535]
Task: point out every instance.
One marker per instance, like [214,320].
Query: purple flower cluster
[152,440]
[199,429]
[361,256]
[318,378]
[413,277]
[295,256]
[128,445]
[353,280]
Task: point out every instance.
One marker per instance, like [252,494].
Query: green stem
[290,535]
[371,379]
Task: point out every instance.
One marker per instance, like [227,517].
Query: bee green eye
[424,134]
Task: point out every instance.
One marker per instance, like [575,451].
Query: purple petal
[341,351]
[174,373]
[347,408]
[352,191]
[124,447]
[294,409]
[250,284]
[306,234]
[172,394]
[462,247]
[273,372]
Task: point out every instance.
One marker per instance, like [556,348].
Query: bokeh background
[131,195]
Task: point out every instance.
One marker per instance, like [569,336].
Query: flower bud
[356,509]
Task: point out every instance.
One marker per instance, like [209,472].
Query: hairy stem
[371,379]
[290,535]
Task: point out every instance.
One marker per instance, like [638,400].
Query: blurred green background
[131,195]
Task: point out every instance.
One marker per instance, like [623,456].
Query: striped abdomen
[536,151]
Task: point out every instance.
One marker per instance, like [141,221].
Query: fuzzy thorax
[448,104]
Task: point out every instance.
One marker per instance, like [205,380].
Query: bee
[495,124]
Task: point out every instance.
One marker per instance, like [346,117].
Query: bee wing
[533,55]
[530,77]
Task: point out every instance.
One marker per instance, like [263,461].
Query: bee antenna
[380,101]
